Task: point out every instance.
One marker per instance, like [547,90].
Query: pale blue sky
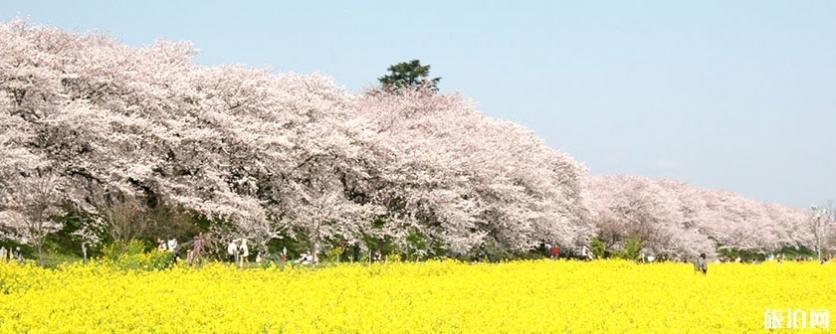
[739,95]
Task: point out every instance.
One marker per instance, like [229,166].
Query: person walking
[555,251]
[232,251]
[701,264]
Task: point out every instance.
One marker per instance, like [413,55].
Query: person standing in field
[196,252]
[701,264]
[344,252]
[355,250]
[232,251]
[305,259]
[245,253]
[555,251]
[584,253]
[171,245]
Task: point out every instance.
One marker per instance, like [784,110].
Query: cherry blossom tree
[470,180]
[29,206]
[820,225]
[630,206]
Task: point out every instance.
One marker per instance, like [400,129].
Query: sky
[736,95]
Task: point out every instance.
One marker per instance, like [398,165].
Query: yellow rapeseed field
[440,296]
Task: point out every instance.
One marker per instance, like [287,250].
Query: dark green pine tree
[409,74]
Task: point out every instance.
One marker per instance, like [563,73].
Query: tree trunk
[316,247]
[316,244]
[40,247]
[84,251]
[819,237]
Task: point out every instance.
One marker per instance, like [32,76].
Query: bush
[599,249]
[133,255]
[333,254]
[632,249]
[54,259]
[118,249]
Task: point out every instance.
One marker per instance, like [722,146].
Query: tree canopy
[410,74]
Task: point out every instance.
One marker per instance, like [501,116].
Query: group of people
[780,258]
[169,245]
[553,252]
[11,254]
[701,263]
[349,254]
[238,251]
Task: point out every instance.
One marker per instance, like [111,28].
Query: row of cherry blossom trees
[139,142]
[677,220]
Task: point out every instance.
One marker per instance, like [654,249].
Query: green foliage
[744,255]
[788,252]
[133,255]
[64,242]
[386,245]
[796,252]
[379,222]
[54,259]
[632,249]
[416,246]
[333,254]
[492,251]
[599,249]
[294,246]
[117,249]
[409,74]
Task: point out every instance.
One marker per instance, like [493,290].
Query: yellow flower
[401,297]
